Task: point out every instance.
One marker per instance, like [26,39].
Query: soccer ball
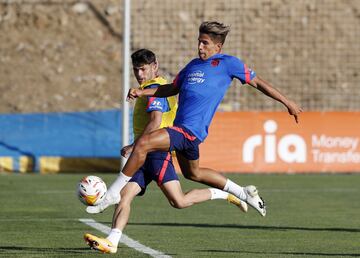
[91,190]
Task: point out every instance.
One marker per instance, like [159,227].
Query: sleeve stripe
[247,74]
[149,102]
[175,81]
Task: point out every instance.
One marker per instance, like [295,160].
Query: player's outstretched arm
[266,88]
[162,91]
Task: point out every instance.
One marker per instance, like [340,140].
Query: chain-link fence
[66,55]
[308,49]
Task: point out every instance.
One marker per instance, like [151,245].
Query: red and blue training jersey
[203,84]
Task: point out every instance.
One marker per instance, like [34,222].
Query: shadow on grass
[24,249]
[282,253]
[234,226]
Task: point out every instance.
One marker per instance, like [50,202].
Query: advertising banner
[238,142]
[272,142]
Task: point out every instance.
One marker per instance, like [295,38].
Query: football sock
[114,236]
[118,184]
[218,194]
[235,189]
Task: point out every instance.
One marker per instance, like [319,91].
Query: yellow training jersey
[142,108]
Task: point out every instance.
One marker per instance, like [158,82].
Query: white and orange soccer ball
[91,190]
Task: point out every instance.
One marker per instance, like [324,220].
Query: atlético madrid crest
[215,62]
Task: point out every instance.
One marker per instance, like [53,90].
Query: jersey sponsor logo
[196,77]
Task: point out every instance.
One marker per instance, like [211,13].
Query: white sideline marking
[125,239]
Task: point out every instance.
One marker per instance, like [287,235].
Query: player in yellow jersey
[150,114]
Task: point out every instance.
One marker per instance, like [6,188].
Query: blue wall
[75,134]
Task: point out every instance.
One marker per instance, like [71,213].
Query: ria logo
[290,148]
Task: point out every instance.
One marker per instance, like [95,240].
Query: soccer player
[150,113]
[201,86]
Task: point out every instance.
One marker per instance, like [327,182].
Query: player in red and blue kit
[150,113]
[201,86]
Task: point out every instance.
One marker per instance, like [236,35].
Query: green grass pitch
[308,216]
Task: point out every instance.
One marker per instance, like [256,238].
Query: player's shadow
[252,227]
[282,253]
[26,249]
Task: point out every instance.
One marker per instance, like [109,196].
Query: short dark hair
[216,30]
[143,57]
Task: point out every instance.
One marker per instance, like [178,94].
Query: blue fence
[77,134]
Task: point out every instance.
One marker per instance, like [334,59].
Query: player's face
[207,47]
[145,72]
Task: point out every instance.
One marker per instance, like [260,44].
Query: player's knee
[141,144]
[192,175]
[177,204]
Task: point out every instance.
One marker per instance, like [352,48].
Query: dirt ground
[56,58]
[66,55]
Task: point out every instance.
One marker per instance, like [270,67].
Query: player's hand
[294,110]
[133,94]
[126,151]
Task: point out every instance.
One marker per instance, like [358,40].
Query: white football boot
[108,201]
[254,200]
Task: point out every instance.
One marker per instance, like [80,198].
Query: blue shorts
[184,142]
[159,167]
